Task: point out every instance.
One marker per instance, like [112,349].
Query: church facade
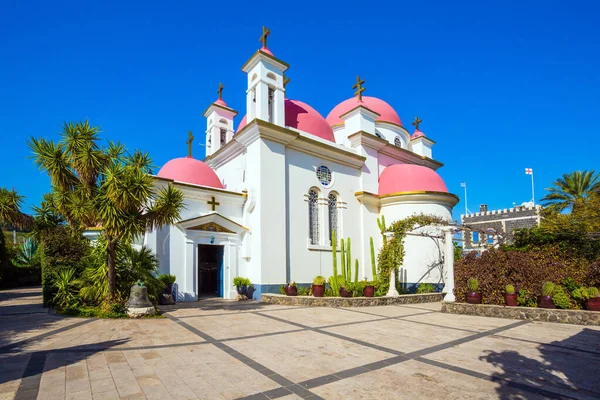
[266,198]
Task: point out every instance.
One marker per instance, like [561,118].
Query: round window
[324,175]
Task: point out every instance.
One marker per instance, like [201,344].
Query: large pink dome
[190,170]
[410,178]
[385,111]
[303,117]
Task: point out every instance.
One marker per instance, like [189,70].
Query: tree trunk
[112,271]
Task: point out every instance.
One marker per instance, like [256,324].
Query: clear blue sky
[500,86]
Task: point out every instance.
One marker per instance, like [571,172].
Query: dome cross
[416,123]
[220,91]
[190,142]
[359,88]
[263,38]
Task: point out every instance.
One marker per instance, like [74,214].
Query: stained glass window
[333,215]
[313,217]
[324,175]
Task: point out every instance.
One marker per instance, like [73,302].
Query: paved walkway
[214,349]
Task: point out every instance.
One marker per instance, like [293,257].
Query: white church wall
[390,133]
[385,161]
[305,260]
[420,252]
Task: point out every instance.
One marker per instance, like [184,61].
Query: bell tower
[219,124]
[265,97]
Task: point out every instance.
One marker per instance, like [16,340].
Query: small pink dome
[385,111]
[417,134]
[190,170]
[221,102]
[301,116]
[409,178]
[266,50]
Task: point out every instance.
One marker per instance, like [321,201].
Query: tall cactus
[356,273]
[381,224]
[334,251]
[349,262]
[373,265]
[343,260]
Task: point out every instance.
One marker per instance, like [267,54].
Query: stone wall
[350,301]
[578,317]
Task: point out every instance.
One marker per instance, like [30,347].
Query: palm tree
[570,189]
[107,187]
[10,209]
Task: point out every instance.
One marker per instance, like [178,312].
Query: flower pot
[545,302]
[241,290]
[291,290]
[345,293]
[250,292]
[510,299]
[474,298]
[318,290]
[593,304]
[169,289]
[369,291]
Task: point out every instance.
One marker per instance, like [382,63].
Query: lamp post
[449,264]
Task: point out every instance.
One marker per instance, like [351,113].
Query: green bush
[593,292]
[526,299]
[561,299]
[425,288]
[67,292]
[167,279]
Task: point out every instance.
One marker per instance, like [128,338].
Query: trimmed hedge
[526,270]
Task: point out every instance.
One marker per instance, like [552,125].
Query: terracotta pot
[369,291]
[318,290]
[345,293]
[545,302]
[474,298]
[593,304]
[291,290]
[241,290]
[510,299]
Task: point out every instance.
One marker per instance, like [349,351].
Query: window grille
[313,217]
[333,216]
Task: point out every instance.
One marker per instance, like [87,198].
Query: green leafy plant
[509,289]
[240,281]
[525,299]
[373,264]
[167,279]
[560,298]
[425,288]
[570,284]
[66,296]
[580,294]
[593,292]
[319,280]
[303,291]
[548,288]
[292,284]
[473,284]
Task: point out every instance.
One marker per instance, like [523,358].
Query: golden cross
[416,122]
[286,80]
[263,38]
[220,91]
[189,142]
[213,203]
[359,88]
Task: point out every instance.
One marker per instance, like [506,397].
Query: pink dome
[385,111]
[409,178]
[417,134]
[190,170]
[266,50]
[301,116]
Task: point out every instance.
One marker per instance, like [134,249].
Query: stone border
[576,317]
[350,301]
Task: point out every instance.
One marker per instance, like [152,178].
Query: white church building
[266,198]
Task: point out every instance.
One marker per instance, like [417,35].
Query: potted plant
[369,288]
[291,289]
[473,296]
[545,300]
[510,297]
[345,290]
[249,289]
[168,281]
[593,301]
[318,286]
[241,285]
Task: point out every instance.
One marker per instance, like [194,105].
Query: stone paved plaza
[215,349]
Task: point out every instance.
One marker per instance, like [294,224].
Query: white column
[392,292]
[448,264]
[191,279]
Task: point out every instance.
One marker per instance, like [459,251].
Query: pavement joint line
[416,308]
[263,370]
[248,311]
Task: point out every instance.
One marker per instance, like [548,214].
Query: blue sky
[500,86]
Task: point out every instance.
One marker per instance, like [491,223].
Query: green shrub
[570,284]
[303,291]
[65,286]
[319,280]
[509,289]
[240,281]
[472,284]
[292,283]
[167,279]
[593,292]
[425,288]
[548,288]
[561,299]
[525,299]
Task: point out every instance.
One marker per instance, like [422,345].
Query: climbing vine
[392,253]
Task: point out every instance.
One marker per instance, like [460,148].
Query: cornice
[359,108]
[408,156]
[367,139]
[424,197]
[199,187]
[261,55]
[207,111]
[367,198]
[422,138]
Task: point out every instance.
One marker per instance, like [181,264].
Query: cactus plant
[509,289]
[593,292]
[349,262]
[343,259]
[319,280]
[333,282]
[548,289]
[381,224]
[356,272]
[472,284]
[373,265]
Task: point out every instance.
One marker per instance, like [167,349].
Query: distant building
[487,226]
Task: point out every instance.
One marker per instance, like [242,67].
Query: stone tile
[319,316]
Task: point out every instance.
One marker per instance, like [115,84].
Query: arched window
[379,135]
[313,217]
[333,215]
[397,141]
[271,103]
[223,136]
